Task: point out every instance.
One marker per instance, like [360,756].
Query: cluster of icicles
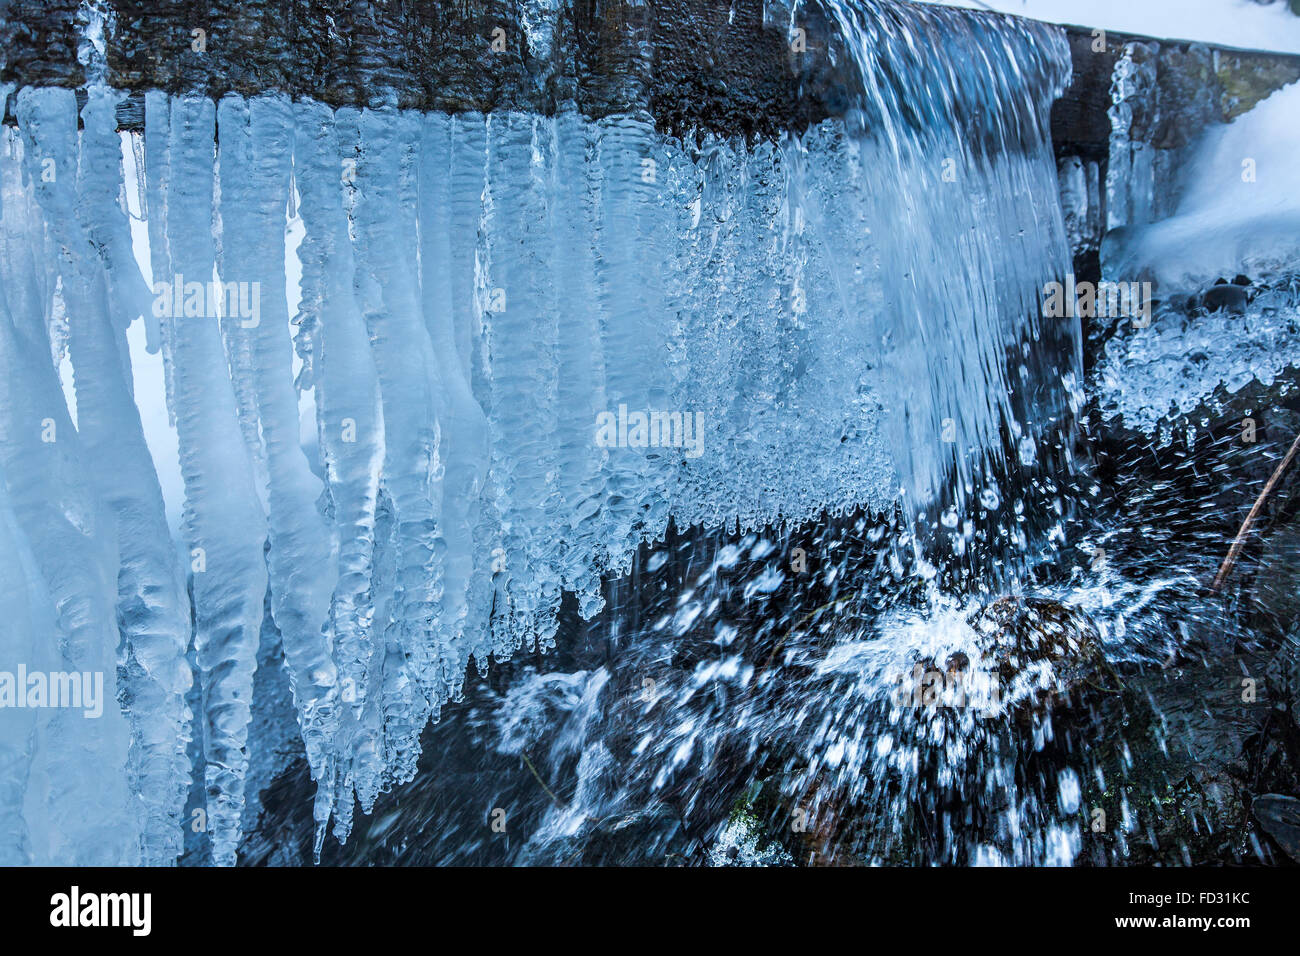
[410,471]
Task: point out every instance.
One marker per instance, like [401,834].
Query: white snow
[1227,23]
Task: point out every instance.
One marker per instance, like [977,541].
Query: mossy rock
[1248,78]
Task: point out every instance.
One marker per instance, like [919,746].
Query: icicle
[71,533]
[153,606]
[389,691]
[520,329]
[29,626]
[154,174]
[25,607]
[580,386]
[467,261]
[350,418]
[256,147]
[413,404]
[632,344]
[224,526]
[445,270]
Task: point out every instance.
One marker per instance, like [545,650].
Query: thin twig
[1235,551]
[558,802]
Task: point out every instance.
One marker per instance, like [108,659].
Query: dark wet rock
[1029,655]
[743,841]
[1175,754]
[1227,296]
[1019,635]
[1279,816]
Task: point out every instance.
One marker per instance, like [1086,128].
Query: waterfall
[523,345]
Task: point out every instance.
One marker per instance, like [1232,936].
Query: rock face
[693,64]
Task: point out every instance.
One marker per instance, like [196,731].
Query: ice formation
[1237,213]
[1237,208]
[524,344]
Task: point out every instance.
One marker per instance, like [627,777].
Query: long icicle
[350,418]
[256,148]
[153,607]
[413,404]
[223,525]
[71,531]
